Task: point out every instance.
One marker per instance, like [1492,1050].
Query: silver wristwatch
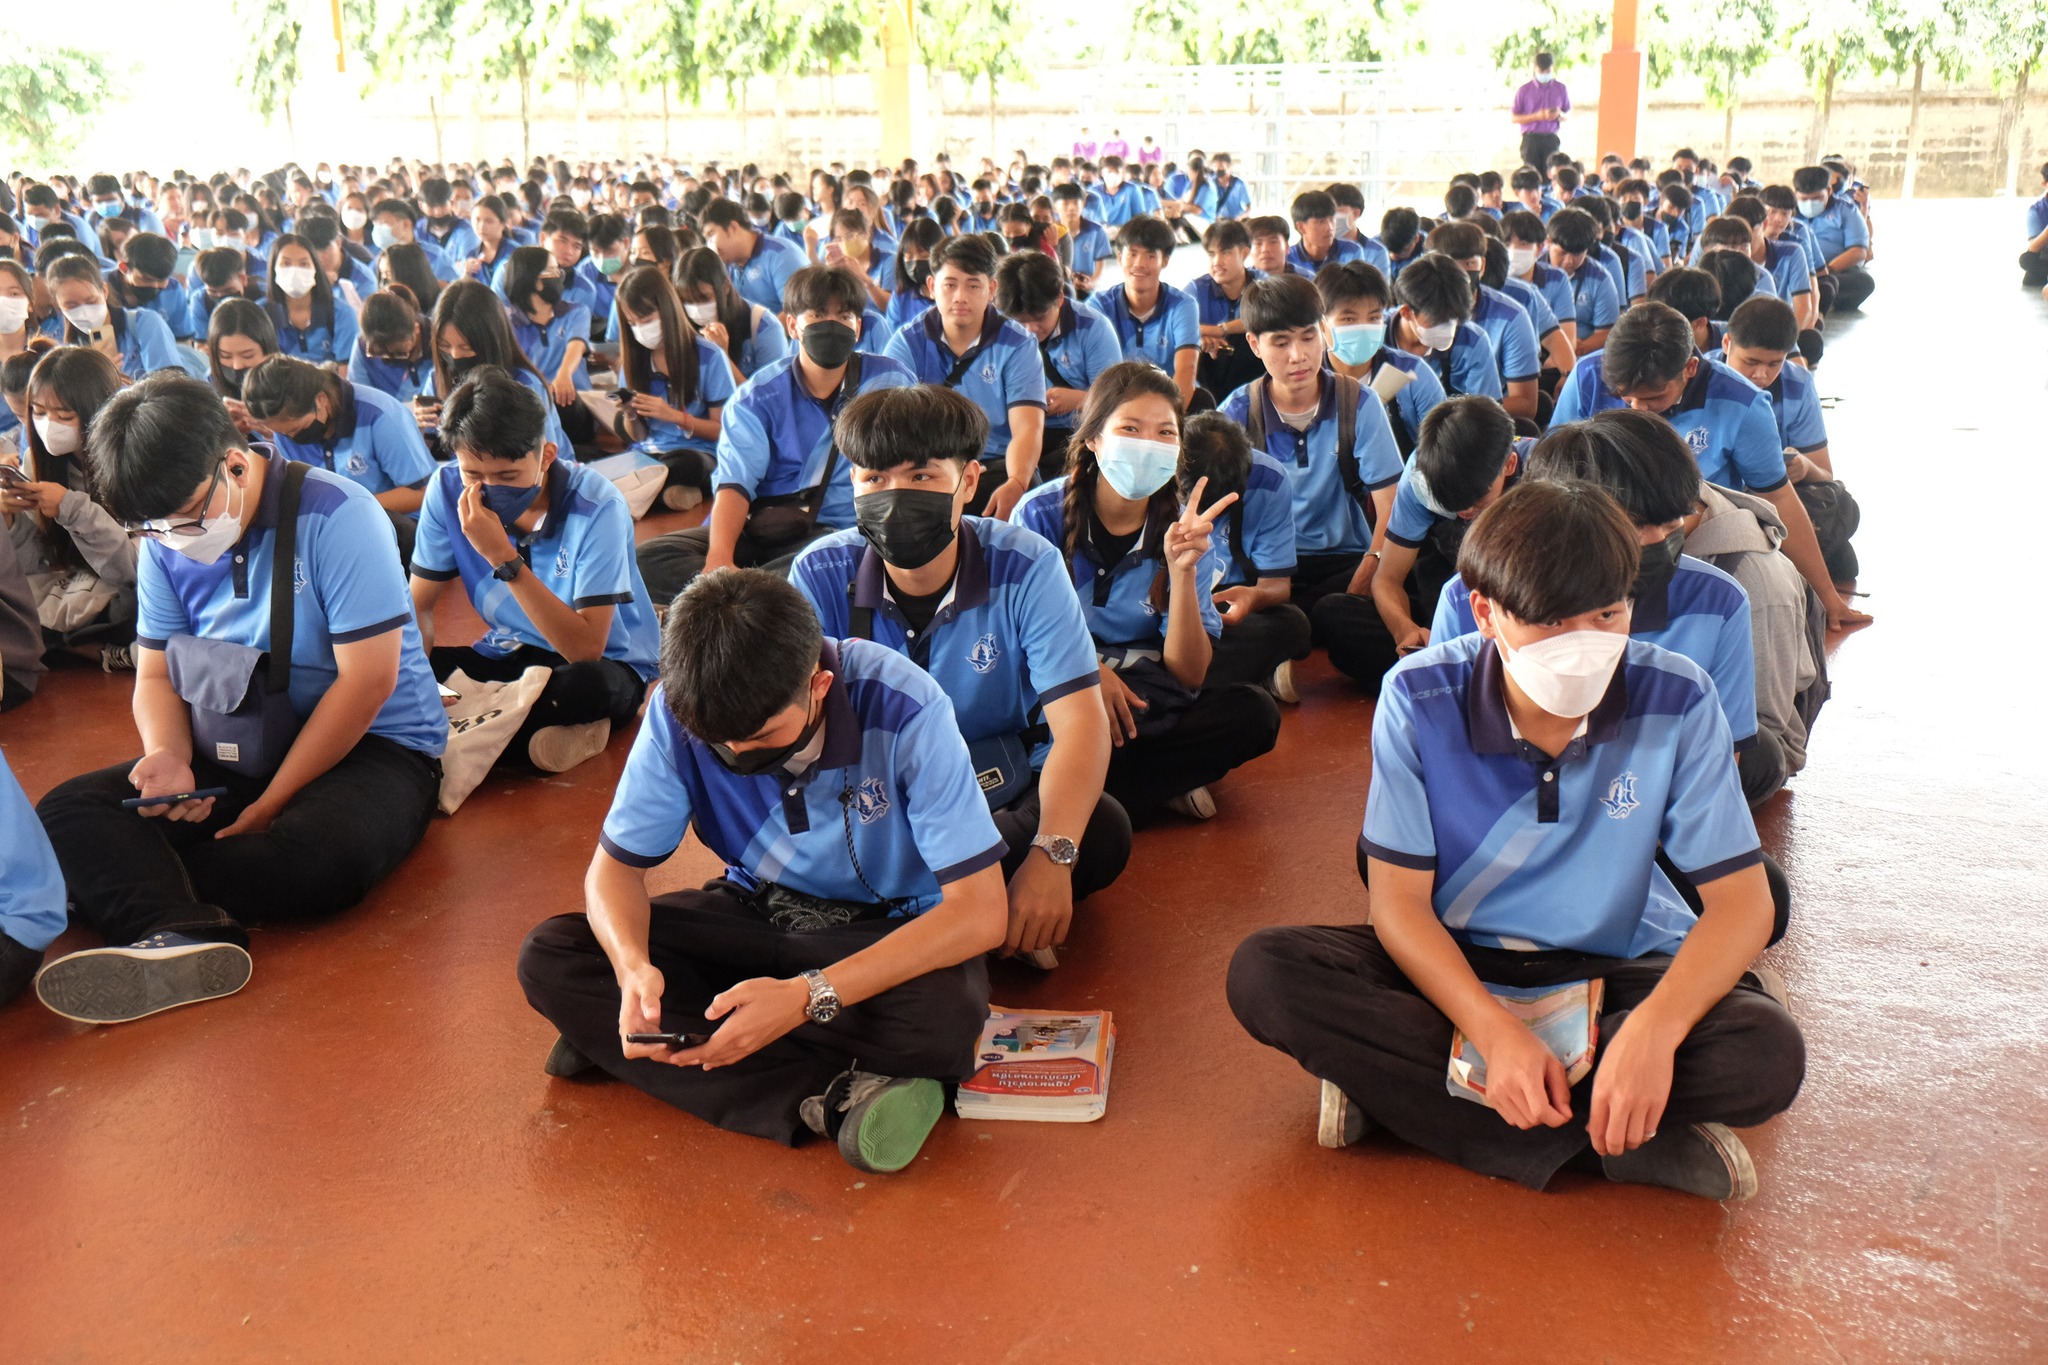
[824,1004]
[1063,851]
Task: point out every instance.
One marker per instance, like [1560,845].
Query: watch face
[1062,851]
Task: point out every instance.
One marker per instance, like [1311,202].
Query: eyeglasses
[159,528]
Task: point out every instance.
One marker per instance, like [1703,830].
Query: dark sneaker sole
[115,985]
[885,1132]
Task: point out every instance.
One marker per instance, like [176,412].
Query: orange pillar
[1621,86]
[898,52]
[340,44]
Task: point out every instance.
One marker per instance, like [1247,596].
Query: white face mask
[353,219]
[217,539]
[1566,674]
[1137,468]
[87,317]
[702,314]
[1520,258]
[296,280]
[1438,337]
[1342,223]
[59,438]
[648,333]
[202,238]
[13,313]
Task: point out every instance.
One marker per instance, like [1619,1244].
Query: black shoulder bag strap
[1348,391]
[860,619]
[284,554]
[849,389]
[1255,413]
[965,362]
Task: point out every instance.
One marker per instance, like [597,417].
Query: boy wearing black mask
[986,607]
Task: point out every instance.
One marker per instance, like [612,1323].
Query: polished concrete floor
[357,1158]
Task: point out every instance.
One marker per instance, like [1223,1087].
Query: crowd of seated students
[1006,559]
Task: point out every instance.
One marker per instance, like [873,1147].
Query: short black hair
[971,253]
[1267,225]
[1636,456]
[155,442]
[1346,196]
[1548,551]
[570,221]
[1458,239]
[1726,230]
[493,415]
[282,386]
[1460,200]
[1694,293]
[724,213]
[1765,324]
[1735,276]
[1028,283]
[738,647]
[1436,287]
[1676,195]
[1342,282]
[1312,204]
[1399,227]
[1461,448]
[1575,230]
[1525,178]
[1226,234]
[1811,180]
[1281,303]
[1781,197]
[825,289]
[1146,233]
[151,254]
[606,229]
[1647,349]
[1215,448]
[884,428]
[1520,225]
[1543,61]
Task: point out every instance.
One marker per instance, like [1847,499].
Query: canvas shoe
[1195,805]
[880,1122]
[682,497]
[565,1061]
[163,971]
[558,748]
[1705,1159]
[1281,684]
[1340,1122]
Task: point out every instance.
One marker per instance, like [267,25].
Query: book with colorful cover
[1052,1067]
[1566,1018]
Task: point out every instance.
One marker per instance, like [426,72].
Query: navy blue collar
[935,328]
[842,723]
[1486,711]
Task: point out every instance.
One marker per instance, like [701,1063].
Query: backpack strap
[284,555]
[1255,413]
[1348,391]
[860,619]
[1238,554]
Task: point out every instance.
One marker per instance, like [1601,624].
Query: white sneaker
[1045,959]
[559,748]
[681,498]
[1281,684]
[1195,805]
[1341,1122]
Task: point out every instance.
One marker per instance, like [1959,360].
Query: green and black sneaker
[880,1122]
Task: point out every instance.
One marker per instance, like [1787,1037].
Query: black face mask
[829,344]
[917,272]
[144,293]
[549,290]
[233,378]
[314,433]
[1632,211]
[1018,241]
[754,762]
[1659,562]
[459,370]
[909,527]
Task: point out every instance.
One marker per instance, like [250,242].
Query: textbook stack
[1050,1067]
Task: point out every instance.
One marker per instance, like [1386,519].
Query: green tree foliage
[1247,33]
[269,67]
[408,41]
[508,40]
[1830,39]
[47,97]
[2011,38]
[1572,31]
[979,39]
[1723,42]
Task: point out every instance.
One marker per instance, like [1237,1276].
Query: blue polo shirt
[714,386]
[1417,512]
[1596,304]
[1795,403]
[1327,520]
[1556,288]
[1265,513]
[1516,355]
[582,552]
[576,293]
[599,289]
[170,304]
[315,344]
[1116,599]
[893,782]
[1839,227]
[1648,261]
[442,263]
[1533,302]
[1091,247]
[1003,370]
[461,237]
[199,306]
[1702,613]
[392,378]
[1467,365]
[1114,210]
[32,901]
[1790,271]
[1213,308]
[547,346]
[146,344]
[374,441]
[1724,418]
[1623,272]
[2037,217]
[775,436]
[1008,639]
[532,381]
[761,276]
[1080,350]
[904,307]
[1342,249]
[349,586]
[875,332]
[1175,325]
[768,344]
[1532,853]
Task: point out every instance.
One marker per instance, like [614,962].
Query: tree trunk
[625,121]
[1817,136]
[434,113]
[582,116]
[1728,119]
[2005,152]
[291,134]
[664,118]
[779,133]
[525,114]
[1912,174]
[991,111]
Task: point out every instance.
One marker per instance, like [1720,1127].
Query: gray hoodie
[1740,533]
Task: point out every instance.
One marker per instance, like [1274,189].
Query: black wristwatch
[509,570]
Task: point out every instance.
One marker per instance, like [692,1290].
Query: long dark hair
[83,379]
[406,263]
[476,312]
[322,297]
[236,318]
[646,290]
[1115,386]
[918,232]
[701,268]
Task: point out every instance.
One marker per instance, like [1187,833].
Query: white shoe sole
[115,985]
[1045,959]
[1335,1117]
[1281,684]
[681,498]
[559,748]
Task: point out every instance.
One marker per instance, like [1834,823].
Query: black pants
[994,474]
[688,469]
[1536,150]
[1348,628]
[1052,457]
[670,563]
[1844,291]
[705,941]
[406,526]
[1333,999]
[1763,768]
[344,831]
[576,694]
[1250,650]
[2034,268]
[1223,728]
[579,424]
[1105,844]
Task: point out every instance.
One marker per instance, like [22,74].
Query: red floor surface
[357,1158]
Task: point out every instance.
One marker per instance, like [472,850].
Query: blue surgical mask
[507,502]
[384,237]
[107,209]
[1356,345]
[1135,468]
[1543,78]
[1812,208]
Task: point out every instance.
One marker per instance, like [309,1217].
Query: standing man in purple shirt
[1540,105]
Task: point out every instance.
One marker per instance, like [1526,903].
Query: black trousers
[1105,844]
[688,469]
[1844,291]
[1333,999]
[1249,651]
[994,473]
[1052,457]
[576,694]
[1348,628]
[1536,149]
[344,832]
[1763,768]
[2034,268]
[406,526]
[670,563]
[1224,728]
[705,941]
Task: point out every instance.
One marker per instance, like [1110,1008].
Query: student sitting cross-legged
[331,779]
[986,608]
[1144,569]
[837,965]
[1524,779]
[544,548]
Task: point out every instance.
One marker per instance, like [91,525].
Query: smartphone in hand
[678,1041]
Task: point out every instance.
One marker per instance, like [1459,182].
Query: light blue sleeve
[650,811]
[159,614]
[1410,522]
[1800,424]
[1184,328]
[1519,358]
[899,351]
[1706,826]
[359,365]
[1023,378]
[352,562]
[1057,647]
[154,346]
[714,376]
[1379,457]
[1397,826]
[1270,534]
[346,329]
[1099,349]
[1734,673]
[808,578]
[603,572]
[32,901]
[402,451]
[770,342]
[949,819]
[1453,612]
[745,449]
[1605,306]
[1421,394]
[433,547]
[1478,370]
[1758,456]
[1855,232]
[1571,401]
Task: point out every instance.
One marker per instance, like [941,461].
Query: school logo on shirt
[562,563]
[298,575]
[357,466]
[988,374]
[1697,438]
[870,803]
[983,656]
[1621,797]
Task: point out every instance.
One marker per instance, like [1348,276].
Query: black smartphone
[678,1041]
[13,476]
[623,396]
[139,802]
